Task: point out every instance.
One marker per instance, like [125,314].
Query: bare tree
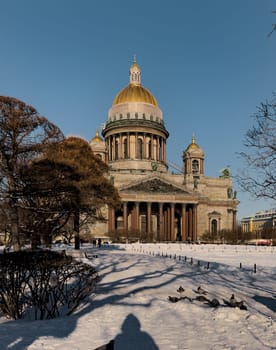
[24,136]
[259,175]
[273,26]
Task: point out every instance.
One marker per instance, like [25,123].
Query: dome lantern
[135,91]
[135,73]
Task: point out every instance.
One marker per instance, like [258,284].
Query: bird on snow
[201,290]
[201,298]
[180,290]
[214,302]
[241,305]
[173,299]
[233,301]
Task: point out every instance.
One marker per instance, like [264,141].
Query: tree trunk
[77,229]
[15,239]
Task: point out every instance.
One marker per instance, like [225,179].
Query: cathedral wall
[206,213]
[217,188]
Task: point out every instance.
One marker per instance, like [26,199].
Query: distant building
[157,203]
[261,221]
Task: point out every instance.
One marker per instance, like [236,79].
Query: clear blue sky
[208,63]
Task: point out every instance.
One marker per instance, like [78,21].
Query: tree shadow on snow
[20,334]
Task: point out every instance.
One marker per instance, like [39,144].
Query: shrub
[43,284]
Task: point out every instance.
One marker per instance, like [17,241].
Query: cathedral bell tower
[193,161]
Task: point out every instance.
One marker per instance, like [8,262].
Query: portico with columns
[158,221]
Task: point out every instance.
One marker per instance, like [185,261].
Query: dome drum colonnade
[142,142]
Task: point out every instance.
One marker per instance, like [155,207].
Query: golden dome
[134,91]
[193,146]
[97,137]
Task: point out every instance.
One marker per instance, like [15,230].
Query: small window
[140,149]
[195,166]
[214,226]
[125,149]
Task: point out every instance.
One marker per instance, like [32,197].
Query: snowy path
[130,305]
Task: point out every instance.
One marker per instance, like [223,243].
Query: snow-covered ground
[131,306]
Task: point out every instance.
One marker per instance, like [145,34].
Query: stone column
[109,149]
[190,224]
[168,223]
[125,216]
[172,228]
[136,145]
[158,148]
[165,224]
[120,146]
[164,150]
[151,145]
[183,223]
[195,222]
[148,219]
[144,146]
[111,219]
[160,233]
[128,145]
[137,221]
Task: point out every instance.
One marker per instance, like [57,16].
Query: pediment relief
[214,213]
[154,186]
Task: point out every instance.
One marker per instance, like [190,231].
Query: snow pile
[131,302]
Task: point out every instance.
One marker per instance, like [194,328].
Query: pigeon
[233,301]
[201,298]
[173,299]
[214,302]
[180,290]
[184,298]
[201,291]
[240,304]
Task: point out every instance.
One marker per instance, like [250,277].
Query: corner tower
[193,161]
[135,133]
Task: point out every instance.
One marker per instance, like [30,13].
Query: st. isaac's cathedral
[156,203]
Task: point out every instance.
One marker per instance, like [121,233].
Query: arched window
[140,149]
[116,150]
[160,152]
[195,166]
[125,149]
[214,226]
[110,151]
[149,149]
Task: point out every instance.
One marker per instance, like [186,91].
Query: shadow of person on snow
[132,337]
